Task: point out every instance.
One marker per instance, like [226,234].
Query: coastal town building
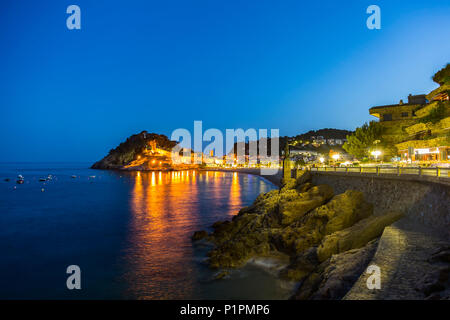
[442,96]
[419,129]
[401,111]
[304,155]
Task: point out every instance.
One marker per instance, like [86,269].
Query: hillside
[327,133]
[129,150]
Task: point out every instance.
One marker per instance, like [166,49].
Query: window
[387,117]
[404,114]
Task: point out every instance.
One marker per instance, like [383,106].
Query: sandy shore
[275,179]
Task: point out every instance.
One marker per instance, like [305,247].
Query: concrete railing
[380,170]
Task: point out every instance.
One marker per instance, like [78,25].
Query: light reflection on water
[128,231]
[166,208]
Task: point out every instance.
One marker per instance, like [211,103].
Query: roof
[394,105]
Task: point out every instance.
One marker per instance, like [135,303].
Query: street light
[376,153]
[321,159]
[336,156]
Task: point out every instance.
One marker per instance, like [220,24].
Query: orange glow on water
[165,210]
[153,179]
[235,192]
[160,210]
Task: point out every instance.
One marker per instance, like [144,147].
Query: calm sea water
[128,232]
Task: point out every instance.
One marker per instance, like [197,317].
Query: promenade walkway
[402,255]
[438,175]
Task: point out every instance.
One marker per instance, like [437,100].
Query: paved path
[402,256]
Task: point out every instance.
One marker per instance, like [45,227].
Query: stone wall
[422,201]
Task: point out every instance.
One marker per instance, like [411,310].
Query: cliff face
[132,148]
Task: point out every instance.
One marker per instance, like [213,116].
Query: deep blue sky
[159,65]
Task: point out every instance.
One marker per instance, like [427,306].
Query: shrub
[435,114]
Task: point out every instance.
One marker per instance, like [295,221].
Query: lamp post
[335,157]
[376,153]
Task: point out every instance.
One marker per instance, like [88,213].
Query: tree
[360,143]
[436,114]
[443,75]
[300,162]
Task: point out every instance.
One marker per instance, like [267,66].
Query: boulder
[302,266]
[336,276]
[235,252]
[295,207]
[341,212]
[308,286]
[355,236]
[198,235]
[288,184]
[264,203]
[219,226]
[303,177]
[240,225]
[344,210]
[304,187]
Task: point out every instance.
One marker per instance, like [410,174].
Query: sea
[129,233]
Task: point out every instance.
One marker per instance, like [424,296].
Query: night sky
[72,95]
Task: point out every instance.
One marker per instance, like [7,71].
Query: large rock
[336,276]
[239,240]
[344,210]
[341,212]
[289,222]
[295,207]
[303,177]
[355,236]
[308,286]
[288,184]
[267,203]
[198,235]
[236,252]
[304,187]
[301,266]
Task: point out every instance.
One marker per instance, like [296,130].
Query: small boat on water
[42,179]
[49,177]
[20,179]
[74,176]
[7,179]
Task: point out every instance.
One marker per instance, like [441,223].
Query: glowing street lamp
[376,153]
[336,156]
[321,159]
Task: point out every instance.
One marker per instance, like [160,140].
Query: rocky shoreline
[329,239]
